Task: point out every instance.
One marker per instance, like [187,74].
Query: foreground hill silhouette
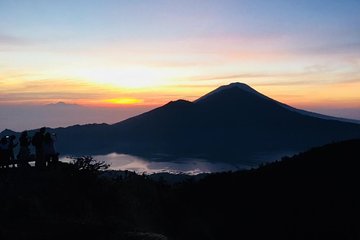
[234,123]
[312,195]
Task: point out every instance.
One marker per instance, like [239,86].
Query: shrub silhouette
[87,163]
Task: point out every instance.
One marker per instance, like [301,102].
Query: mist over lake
[191,166]
[176,165]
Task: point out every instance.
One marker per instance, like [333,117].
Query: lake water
[189,166]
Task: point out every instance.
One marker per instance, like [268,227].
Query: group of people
[43,142]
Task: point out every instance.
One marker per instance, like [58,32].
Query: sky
[128,56]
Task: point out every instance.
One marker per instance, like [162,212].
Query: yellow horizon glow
[123,101]
[126,77]
[154,75]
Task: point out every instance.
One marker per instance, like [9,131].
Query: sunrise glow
[123,101]
[113,55]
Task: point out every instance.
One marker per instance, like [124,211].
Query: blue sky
[40,20]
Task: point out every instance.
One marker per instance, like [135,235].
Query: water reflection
[189,166]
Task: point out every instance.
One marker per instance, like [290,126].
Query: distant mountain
[8,132]
[62,105]
[233,123]
[247,88]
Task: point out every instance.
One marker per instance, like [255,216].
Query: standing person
[38,142]
[50,155]
[11,146]
[24,152]
[4,151]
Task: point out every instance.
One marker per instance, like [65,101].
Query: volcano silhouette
[233,123]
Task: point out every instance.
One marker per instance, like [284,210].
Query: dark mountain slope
[313,195]
[85,139]
[233,123]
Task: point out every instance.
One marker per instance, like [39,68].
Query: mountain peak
[240,85]
[235,85]
[178,103]
[7,132]
[62,104]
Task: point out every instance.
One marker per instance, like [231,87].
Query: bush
[88,163]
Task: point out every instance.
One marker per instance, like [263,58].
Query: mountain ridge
[247,88]
[233,124]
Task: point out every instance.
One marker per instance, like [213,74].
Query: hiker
[11,146]
[50,155]
[24,152]
[4,151]
[38,142]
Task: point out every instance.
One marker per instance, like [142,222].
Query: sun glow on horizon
[123,101]
[132,77]
[130,54]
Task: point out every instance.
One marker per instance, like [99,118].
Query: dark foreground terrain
[313,195]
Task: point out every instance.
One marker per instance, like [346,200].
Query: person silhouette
[4,151]
[24,152]
[38,142]
[50,155]
[11,146]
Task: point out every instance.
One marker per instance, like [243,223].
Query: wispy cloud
[7,39]
[10,40]
[328,48]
